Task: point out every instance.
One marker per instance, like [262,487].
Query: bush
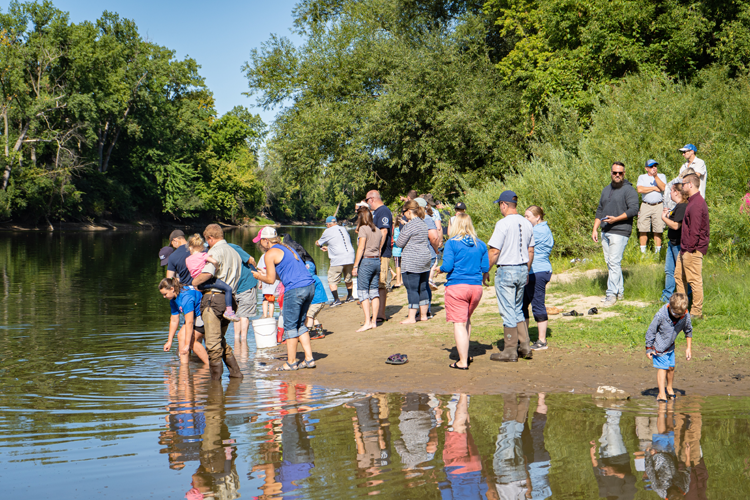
[642,118]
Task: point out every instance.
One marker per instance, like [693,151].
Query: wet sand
[356,361]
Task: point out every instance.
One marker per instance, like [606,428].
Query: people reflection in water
[288,454]
[612,469]
[372,436]
[463,464]
[672,460]
[418,426]
[539,462]
[185,419]
[512,479]
[216,476]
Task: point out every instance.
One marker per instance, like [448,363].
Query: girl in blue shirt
[185,300]
[539,276]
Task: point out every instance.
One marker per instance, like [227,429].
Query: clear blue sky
[217,34]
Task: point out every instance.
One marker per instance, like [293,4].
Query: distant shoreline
[130,226]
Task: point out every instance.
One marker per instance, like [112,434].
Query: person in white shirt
[692,161]
[336,241]
[651,187]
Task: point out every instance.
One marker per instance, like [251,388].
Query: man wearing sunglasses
[617,207]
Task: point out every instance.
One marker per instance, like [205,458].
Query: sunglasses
[618,173]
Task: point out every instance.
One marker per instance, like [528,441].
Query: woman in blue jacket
[539,276]
[466,261]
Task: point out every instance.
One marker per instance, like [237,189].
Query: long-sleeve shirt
[465,261]
[663,331]
[695,226]
[415,257]
[615,202]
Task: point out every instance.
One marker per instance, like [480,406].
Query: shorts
[269,297]
[665,361]
[247,303]
[460,302]
[385,278]
[649,218]
[335,273]
[297,303]
[315,310]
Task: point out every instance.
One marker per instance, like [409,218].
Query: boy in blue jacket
[667,324]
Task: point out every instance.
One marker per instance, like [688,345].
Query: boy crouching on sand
[667,324]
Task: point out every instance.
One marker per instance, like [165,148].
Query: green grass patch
[261,221]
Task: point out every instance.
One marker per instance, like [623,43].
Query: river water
[91,407]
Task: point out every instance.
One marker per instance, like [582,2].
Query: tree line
[99,122]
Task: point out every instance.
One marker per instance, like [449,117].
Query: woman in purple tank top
[299,290]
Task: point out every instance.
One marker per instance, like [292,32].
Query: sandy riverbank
[356,361]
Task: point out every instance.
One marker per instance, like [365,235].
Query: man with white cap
[651,186]
[511,247]
[691,161]
[336,241]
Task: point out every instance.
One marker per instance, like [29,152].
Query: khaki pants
[385,276]
[215,327]
[689,271]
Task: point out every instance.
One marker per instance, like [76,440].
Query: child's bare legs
[399,281]
[670,380]
[366,310]
[198,348]
[661,379]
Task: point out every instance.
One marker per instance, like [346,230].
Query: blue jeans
[614,246]
[416,289]
[368,275]
[510,282]
[673,252]
[296,303]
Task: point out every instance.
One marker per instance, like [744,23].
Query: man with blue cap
[511,247]
[699,166]
[651,186]
[336,241]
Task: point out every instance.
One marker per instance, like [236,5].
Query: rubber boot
[524,346]
[510,350]
[216,369]
[234,368]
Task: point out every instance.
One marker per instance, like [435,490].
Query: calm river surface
[91,407]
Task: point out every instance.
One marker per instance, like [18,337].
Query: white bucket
[265,332]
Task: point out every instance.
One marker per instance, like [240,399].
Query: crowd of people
[211,288]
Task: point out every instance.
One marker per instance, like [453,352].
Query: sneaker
[620,296]
[350,299]
[611,300]
[539,346]
[605,298]
[336,303]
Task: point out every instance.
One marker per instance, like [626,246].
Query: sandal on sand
[454,365]
[672,396]
[307,364]
[397,359]
[658,400]
[286,367]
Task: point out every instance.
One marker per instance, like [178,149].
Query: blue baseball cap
[688,147]
[330,219]
[651,163]
[507,197]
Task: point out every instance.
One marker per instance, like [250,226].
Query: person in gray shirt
[617,207]
[336,241]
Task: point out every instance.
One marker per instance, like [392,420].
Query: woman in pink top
[196,262]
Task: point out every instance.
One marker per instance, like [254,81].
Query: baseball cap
[266,232]
[688,147]
[362,204]
[330,219]
[507,197]
[164,254]
[677,180]
[421,202]
[428,198]
[460,205]
[651,163]
[176,234]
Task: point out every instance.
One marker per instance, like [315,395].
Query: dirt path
[356,361]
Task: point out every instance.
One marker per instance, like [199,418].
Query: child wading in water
[667,324]
[196,262]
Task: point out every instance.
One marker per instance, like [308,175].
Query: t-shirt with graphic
[513,236]
[383,219]
[189,300]
[340,249]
